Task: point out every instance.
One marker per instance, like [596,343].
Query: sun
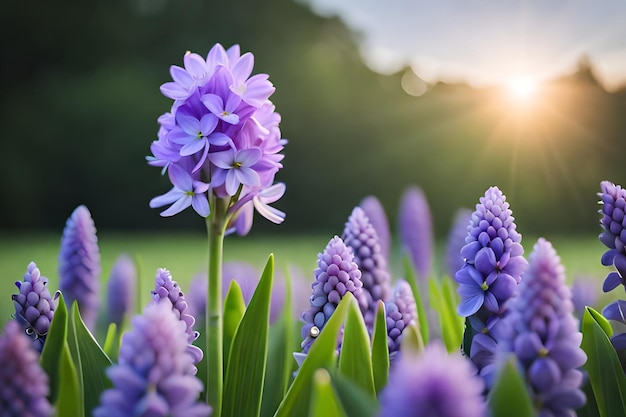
[522,89]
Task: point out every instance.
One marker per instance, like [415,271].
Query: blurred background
[375,96]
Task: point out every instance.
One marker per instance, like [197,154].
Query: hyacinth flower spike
[121,290]
[613,223]
[222,131]
[456,240]
[34,306]
[360,236]
[155,375]
[432,383]
[542,332]
[335,275]
[401,313]
[375,212]
[23,383]
[415,230]
[167,289]
[79,265]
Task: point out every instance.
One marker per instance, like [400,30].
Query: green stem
[216,227]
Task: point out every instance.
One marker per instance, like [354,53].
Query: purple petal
[195,65]
[193,146]
[471,305]
[182,77]
[611,282]
[214,103]
[219,139]
[247,176]
[504,287]
[167,198]
[243,67]
[201,205]
[230,118]
[544,374]
[180,178]
[485,260]
[217,56]
[174,91]
[248,157]
[222,159]
[615,311]
[491,303]
[273,193]
[270,213]
[619,341]
[208,124]
[527,345]
[178,206]
[231,182]
[189,124]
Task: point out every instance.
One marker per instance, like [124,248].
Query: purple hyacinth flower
[121,289]
[79,265]
[335,275]
[616,311]
[432,383]
[155,376]
[584,293]
[493,257]
[456,240]
[223,132]
[34,307]
[23,383]
[375,212]
[401,312]
[167,289]
[415,231]
[360,236]
[542,332]
[613,222]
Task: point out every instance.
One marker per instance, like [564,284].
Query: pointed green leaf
[54,345]
[451,298]
[69,391]
[248,353]
[509,393]
[411,339]
[90,360]
[324,401]
[279,359]
[112,341]
[605,372]
[451,329]
[355,401]
[321,355]
[380,348]
[355,360]
[234,308]
[422,318]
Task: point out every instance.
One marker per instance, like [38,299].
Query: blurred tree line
[80,98]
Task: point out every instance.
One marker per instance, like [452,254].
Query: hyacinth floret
[23,383]
[167,289]
[34,307]
[360,236]
[220,138]
[401,312]
[154,376]
[433,383]
[375,212]
[613,236]
[335,275]
[79,264]
[456,240]
[121,289]
[493,257]
[542,332]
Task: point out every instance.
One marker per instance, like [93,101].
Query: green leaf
[510,393]
[324,401]
[450,322]
[411,339]
[89,359]
[380,348]
[69,391]
[112,341]
[321,355]
[355,360]
[279,360]
[234,308]
[248,353]
[422,318]
[605,372]
[54,345]
[354,399]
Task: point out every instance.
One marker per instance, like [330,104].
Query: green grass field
[186,254]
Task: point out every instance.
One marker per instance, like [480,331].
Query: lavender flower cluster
[220,138]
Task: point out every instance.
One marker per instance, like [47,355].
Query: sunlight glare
[522,88]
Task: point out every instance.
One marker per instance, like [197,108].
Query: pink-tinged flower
[235,168]
[186,192]
[23,383]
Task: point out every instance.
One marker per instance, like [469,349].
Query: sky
[487,42]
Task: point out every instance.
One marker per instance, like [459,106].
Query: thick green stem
[216,226]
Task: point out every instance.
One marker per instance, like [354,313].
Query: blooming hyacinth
[401,312]
[415,231]
[542,332]
[375,212]
[584,293]
[456,240]
[613,222]
[493,267]
[23,383]
[167,289]
[616,313]
[33,305]
[79,264]
[360,236]
[336,274]
[121,289]
[220,138]
[154,376]
[432,383]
